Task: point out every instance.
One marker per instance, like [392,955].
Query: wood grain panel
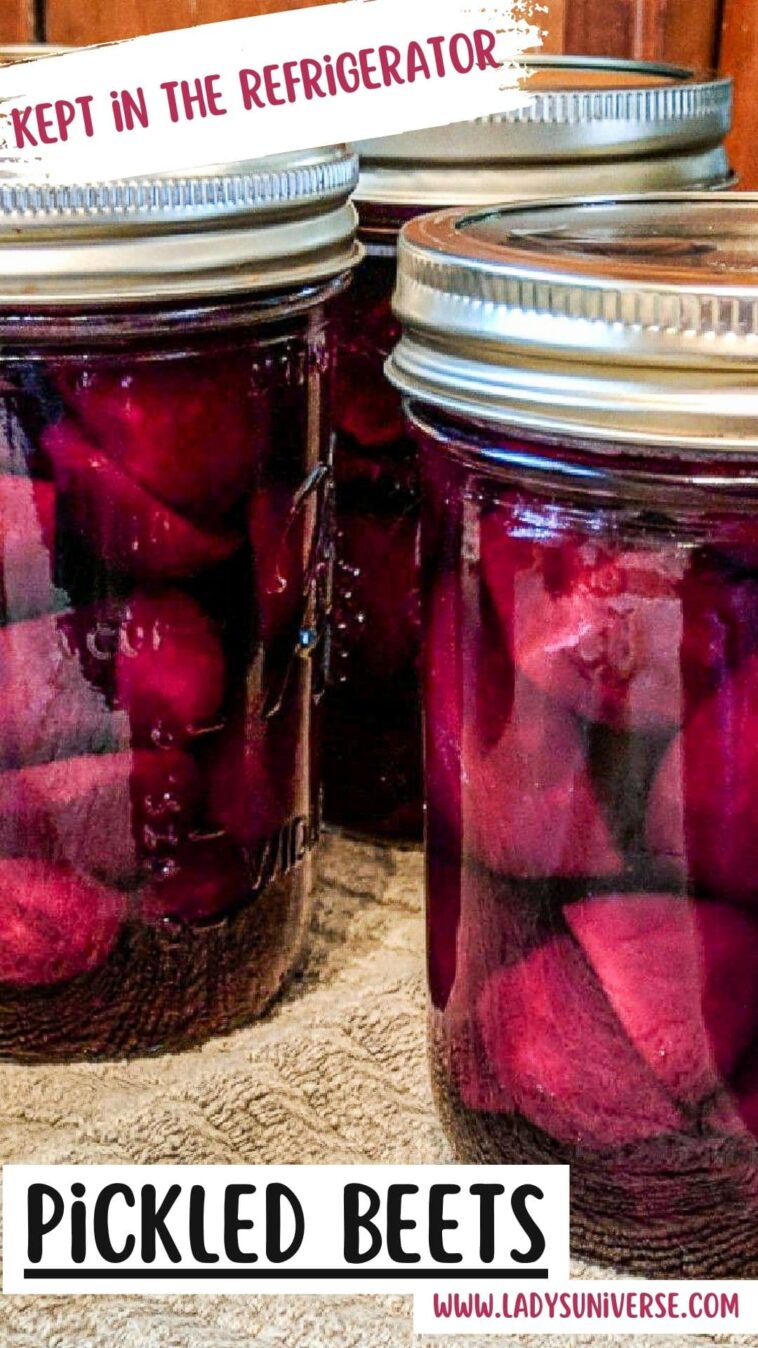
[684,32]
[81,21]
[551,18]
[739,58]
[680,30]
[600,28]
[16,20]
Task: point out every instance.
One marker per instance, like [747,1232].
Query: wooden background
[701,33]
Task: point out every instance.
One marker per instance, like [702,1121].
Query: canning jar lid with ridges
[629,319]
[640,126]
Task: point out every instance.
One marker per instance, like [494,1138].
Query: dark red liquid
[592,763]
[372,770]
[163,568]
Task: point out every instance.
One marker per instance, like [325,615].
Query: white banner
[284,1229]
[482,1249]
[224,92]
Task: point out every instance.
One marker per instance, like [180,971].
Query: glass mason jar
[632,127]
[165,550]
[583,386]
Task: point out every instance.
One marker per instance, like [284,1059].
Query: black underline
[270,1274]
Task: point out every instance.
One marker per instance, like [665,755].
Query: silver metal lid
[631,319]
[673,120]
[225,230]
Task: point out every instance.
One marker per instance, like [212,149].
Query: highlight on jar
[165,507]
[633,127]
[587,424]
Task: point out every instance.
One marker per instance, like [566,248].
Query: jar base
[165,987]
[677,1207]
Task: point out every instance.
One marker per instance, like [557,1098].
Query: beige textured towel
[337,1073]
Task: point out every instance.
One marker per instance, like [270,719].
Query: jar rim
[589,109]
[225,229]
[635,316]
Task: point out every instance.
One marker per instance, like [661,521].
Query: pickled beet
[703,809]
[201,881]
[278,536]
[130,529]
[529,806]
[166,788]
[77,811]
[496,927]
[48,709]
[525,761]
[27,548]
[559,1051]
[253,775]
[170,669]
[382,483]
[734,1112]
[682,977]
[54,923]
[591,704]
[191,433]
[599,631]
[164,557]
[366,406]
[103,813]
[373,783]
[376,601]
[747,1104]
[720,610]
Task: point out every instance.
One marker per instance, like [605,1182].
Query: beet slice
[27,548]
[205,879]
[54,923]
[501,758]
[703,810]
[76,811]
[720,609]
[600,632]
[682,977]
[131,530]
[166,792]
[256,775]
[377,620]
[367,407]
[48,709]
[191,432]
[497,927]
[170,670]
[386,481]
[747,1105]
[101,813]
[281,543]
[528,805]
[735,1112]
[557,1048]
